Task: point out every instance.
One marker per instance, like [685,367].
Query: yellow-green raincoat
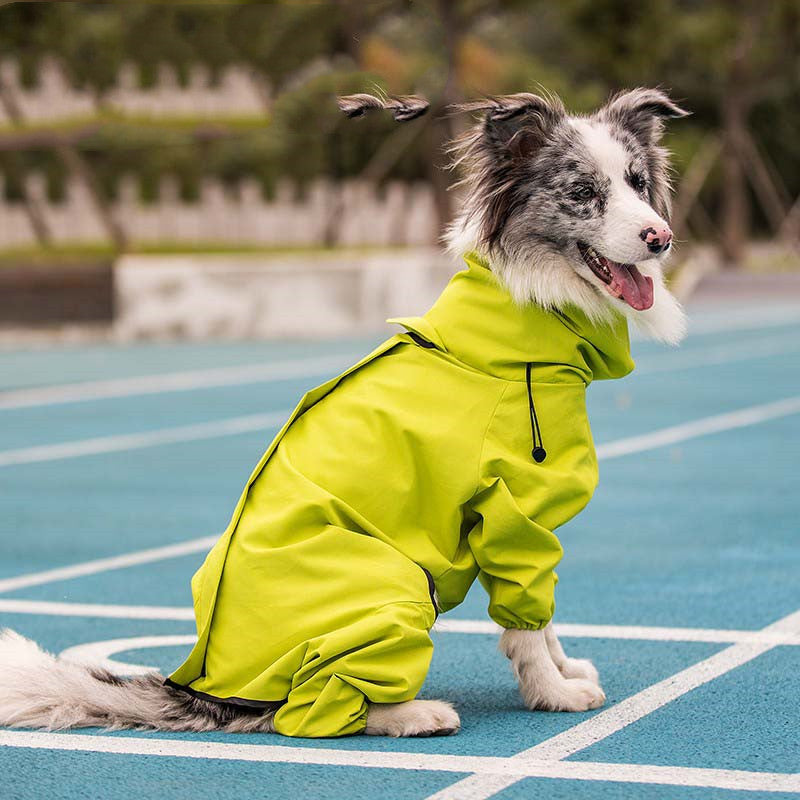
[412,471]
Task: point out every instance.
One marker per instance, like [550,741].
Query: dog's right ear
[516,125]
[403,108]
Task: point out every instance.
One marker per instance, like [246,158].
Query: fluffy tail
[38,690]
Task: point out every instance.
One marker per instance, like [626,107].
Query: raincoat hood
[476,320]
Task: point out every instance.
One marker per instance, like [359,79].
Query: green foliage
[306,53]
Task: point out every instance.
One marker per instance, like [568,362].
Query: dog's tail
[38,690]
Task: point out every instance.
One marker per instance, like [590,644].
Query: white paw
[414,718]
[578,694]
[580,668]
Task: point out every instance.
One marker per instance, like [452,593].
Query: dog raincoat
[451,452]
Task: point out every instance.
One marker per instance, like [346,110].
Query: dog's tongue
[629,284]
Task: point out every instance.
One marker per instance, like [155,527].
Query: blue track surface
[698,534]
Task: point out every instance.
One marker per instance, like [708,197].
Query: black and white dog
[568,210]
[573,209]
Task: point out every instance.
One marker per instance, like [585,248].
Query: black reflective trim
[420,341]
[256,706]
[431,590]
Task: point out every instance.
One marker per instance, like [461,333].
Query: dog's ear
[642,112]
[517,125]
[404,108]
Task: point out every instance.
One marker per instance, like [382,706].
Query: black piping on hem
[432,591]
[254,706]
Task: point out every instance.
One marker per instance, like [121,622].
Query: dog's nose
[658,238]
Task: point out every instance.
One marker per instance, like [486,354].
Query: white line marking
[137,441]
[106,564]
[624,713]
[443,625]
[47,608]
[742,320]
[246,374]
[488,766]
[176,381]
[700,427]
[256,422]
[717,355]
[628,632]
[634,444]
[97,653]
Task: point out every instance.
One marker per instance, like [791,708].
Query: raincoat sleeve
[519,503]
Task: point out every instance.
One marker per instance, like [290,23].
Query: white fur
[568,667]
[38,690]
[552,282]
[626,213]
[541,684]
[30,679]
[414,718]
[555,283]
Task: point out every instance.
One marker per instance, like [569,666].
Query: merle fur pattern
[527,165]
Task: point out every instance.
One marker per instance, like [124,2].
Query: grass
[71,254]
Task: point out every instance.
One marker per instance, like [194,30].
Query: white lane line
[742,320]
[624,713]
[106,564]
[488,766]
[176,381]
[269,372]
[629,632]
[256,422]
[620,447]
[700,427]
[62,394]
[463,626]
[136,441]
[717,355]
[98,653]
[94,610]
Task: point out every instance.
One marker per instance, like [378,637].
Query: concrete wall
[280,296]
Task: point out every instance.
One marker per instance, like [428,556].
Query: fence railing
[236,92]
[347,213]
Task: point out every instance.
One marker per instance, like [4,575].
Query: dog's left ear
[642,112]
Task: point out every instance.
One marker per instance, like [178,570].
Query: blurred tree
[735,63]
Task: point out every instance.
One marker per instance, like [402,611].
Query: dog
[395,485]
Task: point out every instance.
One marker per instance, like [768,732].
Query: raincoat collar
[476,321]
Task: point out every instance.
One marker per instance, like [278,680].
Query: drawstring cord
[538,453]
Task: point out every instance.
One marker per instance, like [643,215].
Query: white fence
[238,92]
[348,213]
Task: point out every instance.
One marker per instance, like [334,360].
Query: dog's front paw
[579,694]
[414,718]
[580,668]
[569,694]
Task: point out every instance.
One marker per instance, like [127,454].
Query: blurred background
[174,169]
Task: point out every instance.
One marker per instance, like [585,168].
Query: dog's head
[573,209]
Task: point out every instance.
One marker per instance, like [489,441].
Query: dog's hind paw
[414,718]
[580,668]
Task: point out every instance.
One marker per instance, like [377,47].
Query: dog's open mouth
[623,281]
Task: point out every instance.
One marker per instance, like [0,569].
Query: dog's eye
[583,192]
[637,181]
